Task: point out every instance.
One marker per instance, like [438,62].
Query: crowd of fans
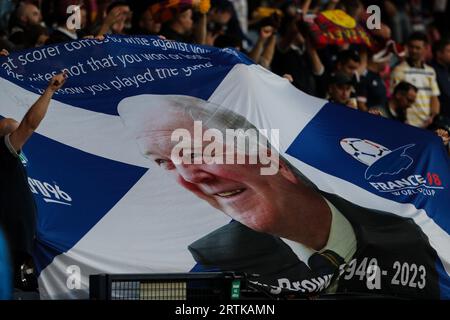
[404,76]
[412,44]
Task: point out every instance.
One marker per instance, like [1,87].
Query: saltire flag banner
[105,207]
[335,27]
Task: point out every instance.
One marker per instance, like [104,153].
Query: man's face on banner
[239,190]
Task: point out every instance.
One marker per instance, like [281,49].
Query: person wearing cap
[340,89]
[348,62]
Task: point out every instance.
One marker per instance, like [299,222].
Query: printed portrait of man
[282,227]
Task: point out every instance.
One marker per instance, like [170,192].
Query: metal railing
[195,287]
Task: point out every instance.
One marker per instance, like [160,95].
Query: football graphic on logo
[379,159]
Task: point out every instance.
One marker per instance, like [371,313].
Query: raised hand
[266,32]
[57,81]
[444,135]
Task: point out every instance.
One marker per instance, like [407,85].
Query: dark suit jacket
[392,240]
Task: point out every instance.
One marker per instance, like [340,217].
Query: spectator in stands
[17,206]
[295,55]
[146,24]
[221,13]
[223,21]
[396,11]
[403,98]
[340,89]
[348,63]
[441,65]
[264,49]
[184,21]
[38,37]
[415,71]
[181,26]
[372,83]
[62,32]
[27,17]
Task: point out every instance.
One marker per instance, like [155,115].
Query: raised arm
[113,17]
[200,29]
[269,52]
[306,5]
[36,113]
[317,66]
[265,33]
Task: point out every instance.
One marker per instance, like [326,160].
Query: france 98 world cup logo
[386,165]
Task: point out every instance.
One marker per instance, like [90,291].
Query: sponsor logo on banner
[386,169]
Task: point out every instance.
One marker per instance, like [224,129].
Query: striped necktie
[325,263]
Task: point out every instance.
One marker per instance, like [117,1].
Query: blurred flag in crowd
[335,27]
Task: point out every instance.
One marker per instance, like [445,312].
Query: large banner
[138,168]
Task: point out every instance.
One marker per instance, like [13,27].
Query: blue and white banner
[106,204]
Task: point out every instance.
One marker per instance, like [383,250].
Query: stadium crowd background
[275,34]
[403,76]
